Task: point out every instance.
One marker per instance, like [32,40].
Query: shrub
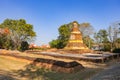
[116,50]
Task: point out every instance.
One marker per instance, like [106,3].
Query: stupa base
[76,51]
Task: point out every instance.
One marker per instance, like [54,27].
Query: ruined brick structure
[75,42]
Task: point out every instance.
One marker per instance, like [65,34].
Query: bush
[107,47]
[24,46]
[116,50]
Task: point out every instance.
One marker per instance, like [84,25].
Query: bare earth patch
[20,69]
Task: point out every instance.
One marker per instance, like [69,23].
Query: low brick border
[59,66]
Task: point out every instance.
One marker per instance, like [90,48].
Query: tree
[64,33]
[5,41]
[24,45]
[103,35]
[97,39]
[102,39]
[87,30]
[113,33]
[19,31]
[54,43]
[88,41]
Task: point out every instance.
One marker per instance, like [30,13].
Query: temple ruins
[75,42]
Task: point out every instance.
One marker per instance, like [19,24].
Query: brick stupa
[75,43]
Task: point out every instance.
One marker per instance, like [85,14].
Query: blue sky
[47,15]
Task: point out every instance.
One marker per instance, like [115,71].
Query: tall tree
[87,30]
[102,39]
[113,33]
[103,35]
[97,38]
[88,41]
[117,43]
[20,31]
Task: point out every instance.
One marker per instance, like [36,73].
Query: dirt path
[110,73]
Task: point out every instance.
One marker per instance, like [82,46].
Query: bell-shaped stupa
[75,42]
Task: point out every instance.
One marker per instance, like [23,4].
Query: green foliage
[54,43]
[5,41]
[88,41]
[19,31]
[64,33]
[22,29]
[101,38]
[118,40]
[117,43]
[117,50]
[107,46]
[24,46]
[102,34]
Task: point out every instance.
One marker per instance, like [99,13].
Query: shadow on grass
[5,75]
[32,72]
[35,73]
